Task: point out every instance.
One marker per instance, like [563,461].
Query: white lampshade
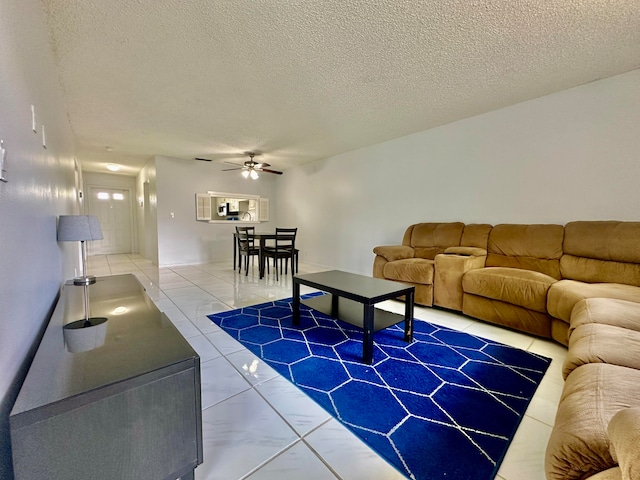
[78,228]
[254,174]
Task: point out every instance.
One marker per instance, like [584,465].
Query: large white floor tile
[182,323]
[348,455]
[251,367]
[223,342]
[201,309]
[292,463]
[205,325]
[525,458]
[220,381]
[544,404]
[302,413]
[239,435]
[500,334]
[204,348]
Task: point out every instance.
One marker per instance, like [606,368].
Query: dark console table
[128,408]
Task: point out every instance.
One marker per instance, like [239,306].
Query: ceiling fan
[250,168]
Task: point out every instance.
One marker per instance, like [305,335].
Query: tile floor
[257,426]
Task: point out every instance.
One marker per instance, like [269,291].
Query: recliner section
[578,284]
[525,277]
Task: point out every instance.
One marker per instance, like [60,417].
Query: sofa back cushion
[529,247]
[475,235]
[430,239]
[602,251]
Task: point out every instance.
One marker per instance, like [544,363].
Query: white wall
[42,185]
[567,156]
[182,239]
[147,212]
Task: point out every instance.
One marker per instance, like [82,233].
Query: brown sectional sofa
[578,284]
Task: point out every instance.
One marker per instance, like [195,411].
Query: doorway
[113,209]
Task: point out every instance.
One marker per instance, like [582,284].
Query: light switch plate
[33,119]
[3,156]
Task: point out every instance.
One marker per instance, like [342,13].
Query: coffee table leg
[367,335]
[408,316]
[296,302]
[334,305]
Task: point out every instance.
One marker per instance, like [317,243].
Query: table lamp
[80,228]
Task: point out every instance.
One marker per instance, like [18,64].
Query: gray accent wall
[42,185]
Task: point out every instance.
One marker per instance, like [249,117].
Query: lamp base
[86,280]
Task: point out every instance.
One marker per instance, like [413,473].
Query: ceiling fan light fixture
[254,174]
[245,173]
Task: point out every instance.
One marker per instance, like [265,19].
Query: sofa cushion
[609,311]
[412,270]
[529,247]
[592,270]
[579,446]
[564,295]
[524,288]
[430,239]
[599,343]
[609,240]
[624,434]
[508,315]
[476,235]
[597,251]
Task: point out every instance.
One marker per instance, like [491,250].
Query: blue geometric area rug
[445,406]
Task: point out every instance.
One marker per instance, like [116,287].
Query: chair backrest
[245,237]
[286,238]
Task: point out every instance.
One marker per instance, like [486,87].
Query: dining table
[262,238]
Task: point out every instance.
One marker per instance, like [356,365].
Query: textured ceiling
[305,79]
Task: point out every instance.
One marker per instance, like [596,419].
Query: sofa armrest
[624,437]
[467,251]
[394,252]
[447,278]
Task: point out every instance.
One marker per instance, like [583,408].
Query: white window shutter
[203,206]
[264,210]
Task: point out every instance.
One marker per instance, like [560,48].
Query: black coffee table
[352,300]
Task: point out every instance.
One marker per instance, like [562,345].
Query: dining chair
[246,247]
[283,249]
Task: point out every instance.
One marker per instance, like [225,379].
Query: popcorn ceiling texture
[302,80]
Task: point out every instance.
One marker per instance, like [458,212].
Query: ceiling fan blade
[233,163]
[270,171]
[229,169]
[203,159]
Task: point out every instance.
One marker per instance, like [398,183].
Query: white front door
[113,209]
